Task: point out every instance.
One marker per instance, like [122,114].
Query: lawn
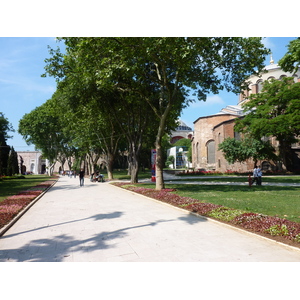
[9,187]
[273,179]
[283,202]
[122,174]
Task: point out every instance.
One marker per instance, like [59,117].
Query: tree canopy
[161,72]
[290,62]
[5,128]
[275,112]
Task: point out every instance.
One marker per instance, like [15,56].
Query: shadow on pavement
[58,248]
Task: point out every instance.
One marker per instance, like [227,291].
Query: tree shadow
[192,219]
[57,249]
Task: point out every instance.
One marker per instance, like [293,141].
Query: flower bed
[12,205]
[273,227]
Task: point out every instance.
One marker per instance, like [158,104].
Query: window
[211,152]
[237,136]
[282,76]
[259,85]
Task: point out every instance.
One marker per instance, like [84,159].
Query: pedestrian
[81,177]
[250,179]
[255,179]
[259,175]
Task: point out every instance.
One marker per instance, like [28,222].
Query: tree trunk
[51,168]
[134,167]
[159,156]
[159,168]
[109,165]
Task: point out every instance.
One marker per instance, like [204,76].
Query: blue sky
[22,88]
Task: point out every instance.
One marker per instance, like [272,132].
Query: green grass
[122,174]
[274,179]
[283,202]
[13,186]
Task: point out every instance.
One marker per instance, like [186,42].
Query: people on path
[255,179]
[250,179]
[259,175]
[81,177]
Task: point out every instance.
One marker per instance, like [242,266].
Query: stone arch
[259,85]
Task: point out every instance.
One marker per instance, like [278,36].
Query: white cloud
[210,101]
[268,43]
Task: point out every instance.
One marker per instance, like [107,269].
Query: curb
[24,210]
[216,221]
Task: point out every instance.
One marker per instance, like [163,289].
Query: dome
[183,127]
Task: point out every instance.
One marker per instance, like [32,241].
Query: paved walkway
[102,223]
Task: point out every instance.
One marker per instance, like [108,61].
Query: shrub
[225,214]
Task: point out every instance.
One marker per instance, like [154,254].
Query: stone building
[31,162]
[210,131]
[182,131]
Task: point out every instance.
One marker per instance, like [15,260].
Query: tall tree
[12,165]
[274,112]
[43,127]
[172,67]
[5,127]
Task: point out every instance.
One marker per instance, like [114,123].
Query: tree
[43,127]
[170,161]
[172,67]
[5,127]
[291,60]
[183,142]
[241,150]
[274,112]
[12,165]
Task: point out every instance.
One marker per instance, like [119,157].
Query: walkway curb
[215,221]
[24,210]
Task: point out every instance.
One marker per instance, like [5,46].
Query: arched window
[211,152]
[282,76]
[237,135]
[259,85]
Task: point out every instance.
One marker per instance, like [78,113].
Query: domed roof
[182,126]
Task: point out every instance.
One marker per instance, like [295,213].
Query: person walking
[259,175]
[81,177]
[255,179]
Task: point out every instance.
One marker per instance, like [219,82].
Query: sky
[22,88]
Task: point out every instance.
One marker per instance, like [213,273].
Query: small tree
[244,149]
[170,161]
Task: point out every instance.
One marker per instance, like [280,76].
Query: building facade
[182,131]
[211,130]
[31,162]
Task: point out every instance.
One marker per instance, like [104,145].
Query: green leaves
[291,61]
[241,150]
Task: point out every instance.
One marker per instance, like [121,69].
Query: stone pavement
[102,223]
